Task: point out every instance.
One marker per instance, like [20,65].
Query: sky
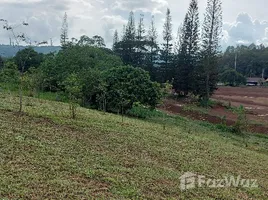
[244,21]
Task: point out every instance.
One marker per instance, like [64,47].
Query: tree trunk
[207,89]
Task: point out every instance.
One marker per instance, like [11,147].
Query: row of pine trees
[190,62]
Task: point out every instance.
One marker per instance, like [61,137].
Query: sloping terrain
[46,155]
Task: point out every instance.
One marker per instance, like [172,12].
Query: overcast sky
[244,20]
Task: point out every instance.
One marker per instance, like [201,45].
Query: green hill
[46,155]
[10,51]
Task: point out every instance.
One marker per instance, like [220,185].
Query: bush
[207,103]
[73,88]
[241,125]
[32,81]
[117,89]
[127,85]
[143,112]
[10,74]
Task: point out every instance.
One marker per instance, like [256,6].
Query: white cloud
[245,30]
[149,6]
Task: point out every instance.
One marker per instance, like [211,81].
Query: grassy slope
[44,154]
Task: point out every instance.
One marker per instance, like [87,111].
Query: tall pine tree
[123,32]
[119,46]
[64,31]
[188,51]
[153,49]
[166,52]
[115,40]
[140,44]
[178,41]
[128,45]
[211,35]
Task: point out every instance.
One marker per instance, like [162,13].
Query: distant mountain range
[10,51]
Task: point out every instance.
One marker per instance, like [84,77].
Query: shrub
[207,103]
[10,73]
[32,81]
[143,112]
[241,124]
[127,85]
[73,87]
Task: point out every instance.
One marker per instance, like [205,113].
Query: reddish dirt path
[175,107]
[256,114]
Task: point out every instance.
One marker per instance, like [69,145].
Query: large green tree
[28,58]
[76,59]
[85,41]
[98,41]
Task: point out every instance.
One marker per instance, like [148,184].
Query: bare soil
[254,99]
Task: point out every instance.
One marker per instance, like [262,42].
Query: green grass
[195,108]
[46,155]
[13,89]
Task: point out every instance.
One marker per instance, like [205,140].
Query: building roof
[255,79]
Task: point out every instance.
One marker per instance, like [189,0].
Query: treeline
[89,76]
[249,61]
[189,62]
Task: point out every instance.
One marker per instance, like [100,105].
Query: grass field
[46,155]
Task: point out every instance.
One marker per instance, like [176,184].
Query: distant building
[254,81]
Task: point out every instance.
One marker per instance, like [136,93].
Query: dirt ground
[254,99]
